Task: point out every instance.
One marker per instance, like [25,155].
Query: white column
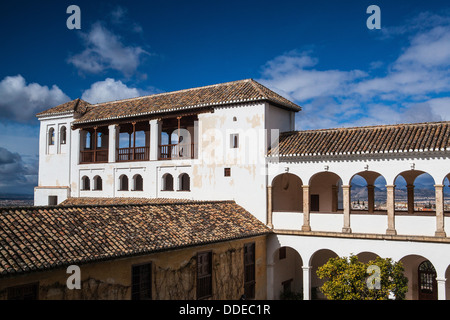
[76,146]
[306,282]
[112,143]
[155,133]
[347,207]
[439,190]
[306,212]
[269,207]
[441,288]
[270,274]
[390,204]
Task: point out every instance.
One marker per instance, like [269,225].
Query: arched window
[138,183]
[98,183]
[167,182]
[99,139]
[427,281]
[85,183]
[62,135]
[184,183]
[88,140]
[123,183]
[51,137]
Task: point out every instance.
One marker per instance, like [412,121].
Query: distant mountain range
[16,196]
[420,192]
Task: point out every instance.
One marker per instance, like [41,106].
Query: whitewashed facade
[223,155]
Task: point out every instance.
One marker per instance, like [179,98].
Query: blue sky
[319,54]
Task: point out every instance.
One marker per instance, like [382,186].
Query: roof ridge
[368,127]
[188,201]
[172,92]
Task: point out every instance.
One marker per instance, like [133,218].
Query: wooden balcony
[176,151]
[133,154]
[94,156]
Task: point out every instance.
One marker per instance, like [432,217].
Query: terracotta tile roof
[41,238]
[79,106]
[215,95]
[430,136]
[118,200]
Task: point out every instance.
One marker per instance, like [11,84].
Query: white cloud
[290,74]
[21,101]
[105,50]
[409,89]
[110,89]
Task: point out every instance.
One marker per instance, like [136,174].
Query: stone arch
[98,183]
[374,195]
[184,182]
[325,192]
[407,194]
[138,183]
[366,256]
[411,265]
[446,191]
[288,275]
[318,259]
[85,183]
[123,182]
[287,193]
[167,182]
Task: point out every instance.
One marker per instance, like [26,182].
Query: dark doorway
[427,281]
[314,202]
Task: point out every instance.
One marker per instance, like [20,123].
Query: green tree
[349,279]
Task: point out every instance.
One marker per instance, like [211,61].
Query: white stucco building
[236,141]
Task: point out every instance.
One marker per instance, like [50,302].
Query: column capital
[437,186]
[390,186]
[305,186]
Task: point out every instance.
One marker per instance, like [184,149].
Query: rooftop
[42,238]
[409,137]
[228,93]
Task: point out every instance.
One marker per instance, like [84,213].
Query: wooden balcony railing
[93,156]
[176,151]
[133,154]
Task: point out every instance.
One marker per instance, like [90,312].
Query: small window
[184,182]
[98,183]
[138,183]
[99,140]
[141,278]
[314,202]
[123,183]
[249,270]
[51,137]
[282,253]
[85,183]
[234,119]
[234,140]
[24,292]
[227,172]
[63,135]
[52,200]
[88,141]
[167,182]
[204,275]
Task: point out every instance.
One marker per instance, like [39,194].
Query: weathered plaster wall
[173,277]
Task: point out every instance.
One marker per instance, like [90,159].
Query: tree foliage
[347,278]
